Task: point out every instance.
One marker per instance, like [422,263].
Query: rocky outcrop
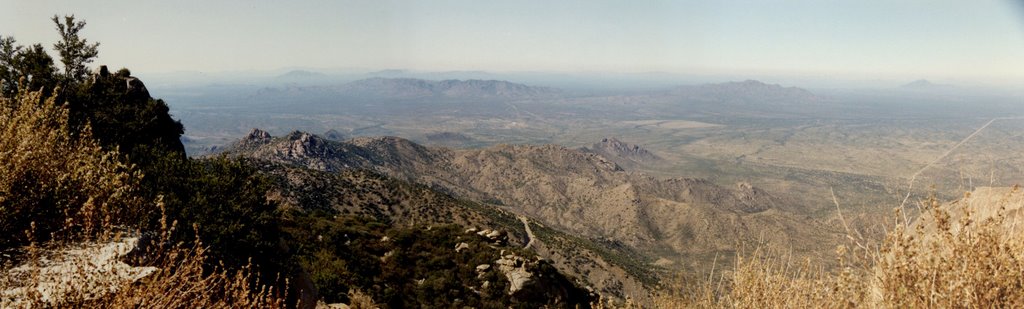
[618,151]
[133,86]
[305,145]
[91,270]
[514,268]
[256,137]
[115,97]
[303,149]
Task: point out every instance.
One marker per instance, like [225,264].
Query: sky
[977,40]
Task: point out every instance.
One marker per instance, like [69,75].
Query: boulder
[514,269]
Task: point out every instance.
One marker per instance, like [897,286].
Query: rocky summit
[622,152]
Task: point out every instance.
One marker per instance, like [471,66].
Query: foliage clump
[417,266]
[83,154]
[59,189]
[52,174]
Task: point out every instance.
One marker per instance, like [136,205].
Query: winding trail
[529,232]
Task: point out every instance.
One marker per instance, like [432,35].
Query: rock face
[257,137]
[135,86]
[514,268]
[305,145]
[618,151]
[85,269]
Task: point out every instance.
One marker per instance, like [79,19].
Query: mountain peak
[924,84]
[300,74]
[615,149]
[305,145]
[255,138]
[258,135]
[754,82]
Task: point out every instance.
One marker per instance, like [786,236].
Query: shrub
[55,181]
[55,178]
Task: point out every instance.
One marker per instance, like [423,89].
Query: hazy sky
[968,39]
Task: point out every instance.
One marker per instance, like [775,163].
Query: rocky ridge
[577,192]
[623,153]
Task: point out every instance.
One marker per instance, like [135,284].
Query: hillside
[364,194]
[684,221]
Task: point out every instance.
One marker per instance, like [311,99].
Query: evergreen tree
[75,52]
[8,77]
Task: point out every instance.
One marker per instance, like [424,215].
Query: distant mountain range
[411,88]
[301,74]
[923,84]
[748,90]
[473,88]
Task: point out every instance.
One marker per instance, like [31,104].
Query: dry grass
[359,300]
[87,275]
[71,203]
[58,177]
[91,275]
[949,258]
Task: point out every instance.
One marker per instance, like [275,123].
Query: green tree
[36,66]
[125,116]
[75,52]
[8,78]
[32,63]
